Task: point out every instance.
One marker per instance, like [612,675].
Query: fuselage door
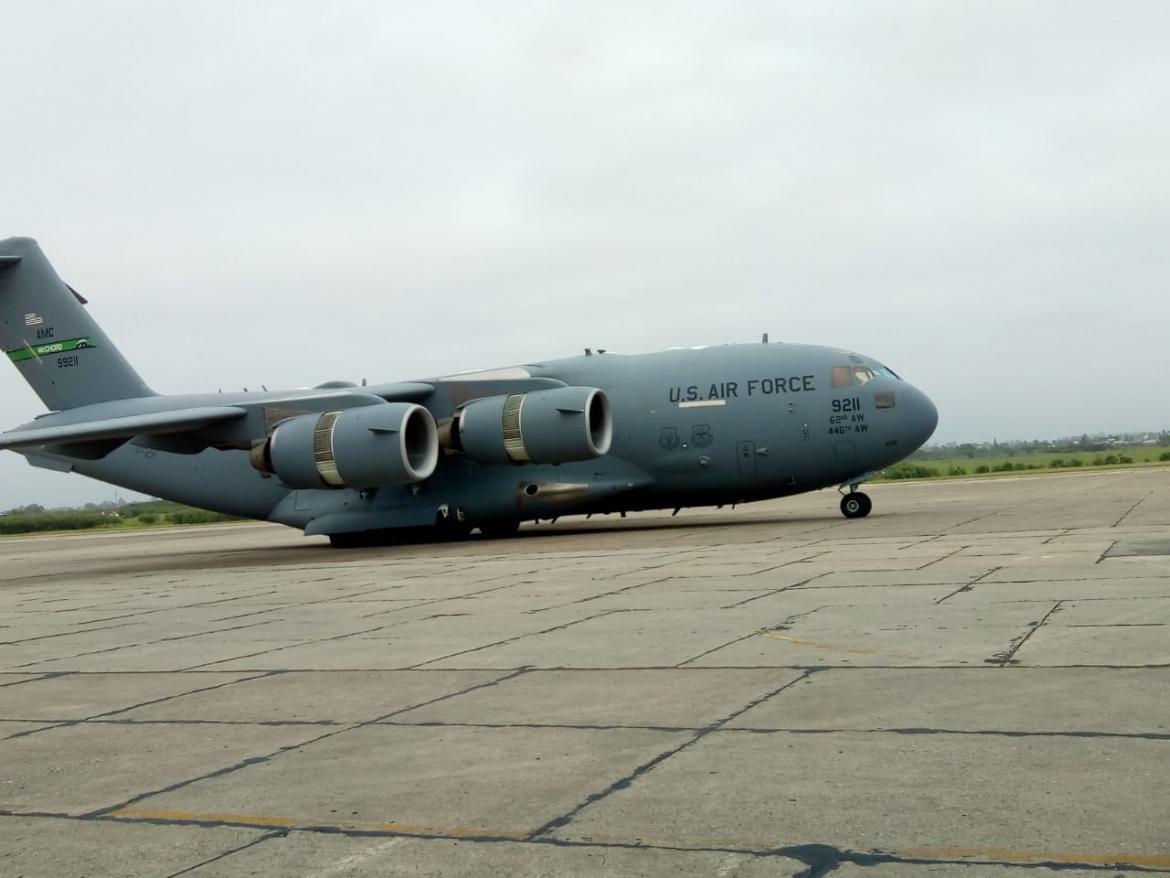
[745,453]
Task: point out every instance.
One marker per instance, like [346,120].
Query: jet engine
[364,447]
[544,426]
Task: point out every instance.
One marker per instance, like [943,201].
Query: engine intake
[365,447]
[545,426]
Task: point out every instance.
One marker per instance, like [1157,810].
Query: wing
[191,423]
[154,423]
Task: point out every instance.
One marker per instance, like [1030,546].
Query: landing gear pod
[546,426]
[365,447]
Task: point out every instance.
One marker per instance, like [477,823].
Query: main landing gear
[499,530]
[856,505]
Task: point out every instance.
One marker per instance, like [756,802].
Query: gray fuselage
[692,427]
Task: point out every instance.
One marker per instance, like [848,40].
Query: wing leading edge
[108,422]
[154,423]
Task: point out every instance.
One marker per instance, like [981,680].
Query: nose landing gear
[856,505]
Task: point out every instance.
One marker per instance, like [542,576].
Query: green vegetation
[995,460]
[907,470]
[151,513]
[20,522]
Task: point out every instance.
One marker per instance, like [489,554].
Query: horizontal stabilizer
[122,428]
[7,259]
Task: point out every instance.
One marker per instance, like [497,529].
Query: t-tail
[46,331]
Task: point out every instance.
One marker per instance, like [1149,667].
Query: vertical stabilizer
[47,333]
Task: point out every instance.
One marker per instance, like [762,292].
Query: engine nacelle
[365,447]
[545,426]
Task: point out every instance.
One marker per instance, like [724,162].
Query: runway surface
[973,681]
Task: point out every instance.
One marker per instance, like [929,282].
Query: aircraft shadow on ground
[318,552]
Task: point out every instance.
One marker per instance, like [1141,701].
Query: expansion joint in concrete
[646,767]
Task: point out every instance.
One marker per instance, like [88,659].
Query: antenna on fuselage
[764,340]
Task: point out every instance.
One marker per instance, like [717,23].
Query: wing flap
[177,421]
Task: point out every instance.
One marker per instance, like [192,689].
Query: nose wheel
[856,505]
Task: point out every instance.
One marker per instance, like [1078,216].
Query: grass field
[1031,462]
[152,513]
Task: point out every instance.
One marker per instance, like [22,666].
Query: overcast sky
[976,193]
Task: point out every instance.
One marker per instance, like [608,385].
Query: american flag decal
[33,319]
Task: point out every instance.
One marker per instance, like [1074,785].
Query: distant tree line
[912,469]
[34,518]
[1069,445]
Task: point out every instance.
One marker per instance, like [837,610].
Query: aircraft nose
[922,418]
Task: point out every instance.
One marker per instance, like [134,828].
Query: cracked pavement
[973,681]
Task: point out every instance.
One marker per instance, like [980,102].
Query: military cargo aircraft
[596,433]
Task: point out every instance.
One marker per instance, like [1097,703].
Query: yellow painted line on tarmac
[1006,855]
[293,822]
[1152,861]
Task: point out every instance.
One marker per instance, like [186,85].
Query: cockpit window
[847,376]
